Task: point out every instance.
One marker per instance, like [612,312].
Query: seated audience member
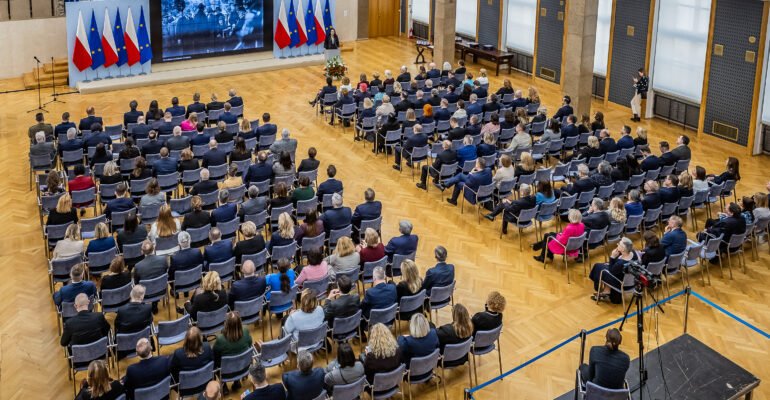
[140,172]
[338,216]
[285,233]
[263,390]
[310,163]
[228,117]
[584,183]
[77,285]
[150,267]
[372,248]
[617,211]
[204,186]
[308,316]
[281,281]
[331,185]
[685,185]
[219,250]
[667,158]
[186,258]
[148,371]
[80,182]
[370,209]
[71,144]
[98,385]
[492,316]
[458,331]
[328,89]
[607,365]
[597,217]
[669,192]
[383,354]
[90,119]
[281,199]
[249,287]
[267,128]
[634,204]
[177,142]
[153,145]
[62,128]
[613,271]
[232,180]
[421,341]
[419,139]
[404,244]
[311,227]
[152,194]
[447,156]
[254,203]
[85,327]
[70,246]
[467,152]
[117,276]
[175,109]
[641,137]
[196,106]
[101,156]
[732,172]
[344,258]
[214,156]
[240,152]
[340,303]
[674,239]
[251,243]
[512,208]
[761,211]
[64,213]
[43,148]
[729,223]
[53,184]
[102,241]
[284,166]
[575,228]
[316,268]
[194,353]
[130,151]
[133,232]
[225,210]
[682,149]
[234,339]
[545,193]
[479,176]
[381,295]
[134,316]
[344,370]
[653,252]
[700,182]
[651,199]
[603,175]
[521,140]
[41,126]
[197,217]
[650,162]
[442,274]
[306,382]
[166,226]
[505,171]
[209,297]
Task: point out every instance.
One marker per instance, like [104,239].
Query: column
[444,31]
[578,63]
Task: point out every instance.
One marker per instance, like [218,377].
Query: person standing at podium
[332,42]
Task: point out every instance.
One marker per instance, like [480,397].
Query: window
[520,25]
[467,12]
[601,52]
[766,98]
[421,11]
[680,47]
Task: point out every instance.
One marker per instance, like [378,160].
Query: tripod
[638,299]
[40,105]
[53,84]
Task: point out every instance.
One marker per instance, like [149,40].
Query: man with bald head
[213,391]
[249,287]
[147,372]
[85,327]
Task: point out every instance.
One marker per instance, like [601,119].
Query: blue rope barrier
[731,315]
[564,343]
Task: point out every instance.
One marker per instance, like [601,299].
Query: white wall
[44,38]
[346,20]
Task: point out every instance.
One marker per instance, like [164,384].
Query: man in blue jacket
[266,129]
[674,241]
[625,141]
[479,176]
[165,165]
[419,139]
[338,216]
[404,244]
[330,185]
[258,172]
[148,371]
[219,250]
[442,274]
[367,211]
[381,295]
[249,287]
[175,109]
[68,292]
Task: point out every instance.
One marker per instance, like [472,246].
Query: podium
[331,53]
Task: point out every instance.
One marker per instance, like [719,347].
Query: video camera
[642,276]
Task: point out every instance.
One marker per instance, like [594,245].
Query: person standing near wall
[641,84]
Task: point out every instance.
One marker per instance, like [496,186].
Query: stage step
[59,66]
[59,69]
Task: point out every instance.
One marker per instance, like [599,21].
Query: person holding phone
[641,84]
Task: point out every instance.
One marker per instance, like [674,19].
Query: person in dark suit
[729,223]
[345,98]
[177,141]
[134,316]
[251,243]
[196,106]
[456,132]
[492,316]
[186,258]
[519,101]
[141,130]
[442,274]
[583,184]
[194,353]
[214,104]
[64,125]
[682,149]
[667,158]
[166,126]
[166,165]
[260,171]
[132,115]
[565,110]
[571,129]
[442,112]
[310,163]
[341,303]
[651,199]
[121,202]
[42,148]
[225,210]
[328,89]
[200,136]
[607,365]
[674,239]
[85,327]
[460,68]
[254,203]
[606,142]
[214,156]
[249,287]
[235,100]
[153,146]
[447,156]
[175,109]
[669,192]
[625,141]
[381,295]
[473,107]
[650,162]
[97,136]
[404,244]
[331,185]
[263,390]
[227,117]
[597,217]
[338,216]
[147,372]
[419,139]
[512,208]
[266,129]
[72,143]
[90,119]
[404,76]
[404,105]
[218,251]
[479,176]
[369,210]
[306,382]
[152,266]
[204,185]
[69,292]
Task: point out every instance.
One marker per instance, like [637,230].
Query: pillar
[444,31]
[578,61]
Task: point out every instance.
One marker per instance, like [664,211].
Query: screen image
[204,28]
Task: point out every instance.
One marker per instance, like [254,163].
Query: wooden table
[496,56]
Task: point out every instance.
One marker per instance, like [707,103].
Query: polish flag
[282,38]
[129,36]
[81,55]
[301,23]
[108,41]
[319,26]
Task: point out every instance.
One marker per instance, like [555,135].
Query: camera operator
[607,365]
[623,253]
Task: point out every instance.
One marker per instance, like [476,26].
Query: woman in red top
[575,228]
[80,182]
[374,250]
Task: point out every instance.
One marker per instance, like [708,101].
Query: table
[496,56]
[422,45]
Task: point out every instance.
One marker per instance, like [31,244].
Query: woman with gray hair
[620,257]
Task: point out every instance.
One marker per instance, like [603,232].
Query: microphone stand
[40,105]
[53,84]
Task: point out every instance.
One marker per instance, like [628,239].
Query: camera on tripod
[642,276]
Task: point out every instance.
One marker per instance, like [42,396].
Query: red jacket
[570,231]
[80,183]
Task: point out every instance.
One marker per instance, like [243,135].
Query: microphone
[36,59]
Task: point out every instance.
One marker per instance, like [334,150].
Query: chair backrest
[424,365]
[596,236]
[88,225]
[594,391]
[275,349]
[652,214]
[181,206]
[175,329]
[351,391]
[250,309]
[197,378]
[712,245]
[114,298]
[346,325]
[127,341]
[411,303]
[102,259]
[312,337]
[526,216]
[371,223]
[228,228]
[191,177]
[398,259]
[336,234]
[737,240]
[236,366]
[656,268]
[486,338]
[225,269]
[188,279]
[199,234]
[286,251]
[276,212]
[586,197]
[442,294]
[60,268]
[209,320]
[84,196]
[546,210]
[567,202]
[636,180]
[259,219]
[575,243]
[56,232]
[454,352]
[259,259]
[370,266]
[155,288]
[85,353]
[313,243]
[165,243]
[320,286]
[605,192]
[388,381]
[279,299]
[149,212]
[674,261]
[157,391]
[528,179]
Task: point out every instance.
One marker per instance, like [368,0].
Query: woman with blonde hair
[483,78]
[590,150]
[110,174]
[492,316]
[310,315]
[372,249]
[382,353]
[64,213]
[505,171]
[685,184]
[641,137]
[252,242]
[70,246]
[345,257]
[397,88]
[458,331]
[98,385]
[532,95]
[526,166]
[285,233]
[410,284]
[190,123]
[421,341]
[761,209]
[617,210]
[209,297]
[194,353]
[245,131]
[153,195]
[234,339]
[165,226]
[102,240]
[188,162]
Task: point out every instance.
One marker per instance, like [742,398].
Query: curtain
[421,11]
[603,22]
[467,13]
[520,25]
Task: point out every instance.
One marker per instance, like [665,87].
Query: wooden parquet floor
[542,308]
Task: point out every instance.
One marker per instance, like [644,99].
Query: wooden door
[384,18]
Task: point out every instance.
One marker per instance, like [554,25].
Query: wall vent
[548,73]
[724,131]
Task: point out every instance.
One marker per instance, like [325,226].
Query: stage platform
[692,371]
[185,71]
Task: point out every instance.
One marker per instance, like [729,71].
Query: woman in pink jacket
[575,228]
[316,268]
[190,123]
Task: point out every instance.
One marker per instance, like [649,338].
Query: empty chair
[186,280]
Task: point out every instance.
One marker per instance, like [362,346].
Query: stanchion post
[687,291]
[583,335]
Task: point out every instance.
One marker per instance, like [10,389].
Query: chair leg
[730,263]
[499,358]
[475,369]
[443,382]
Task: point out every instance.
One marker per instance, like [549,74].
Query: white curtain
[603,22]
[467,13]
[680,47]
[520,25]
[421,11]
[766,98]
